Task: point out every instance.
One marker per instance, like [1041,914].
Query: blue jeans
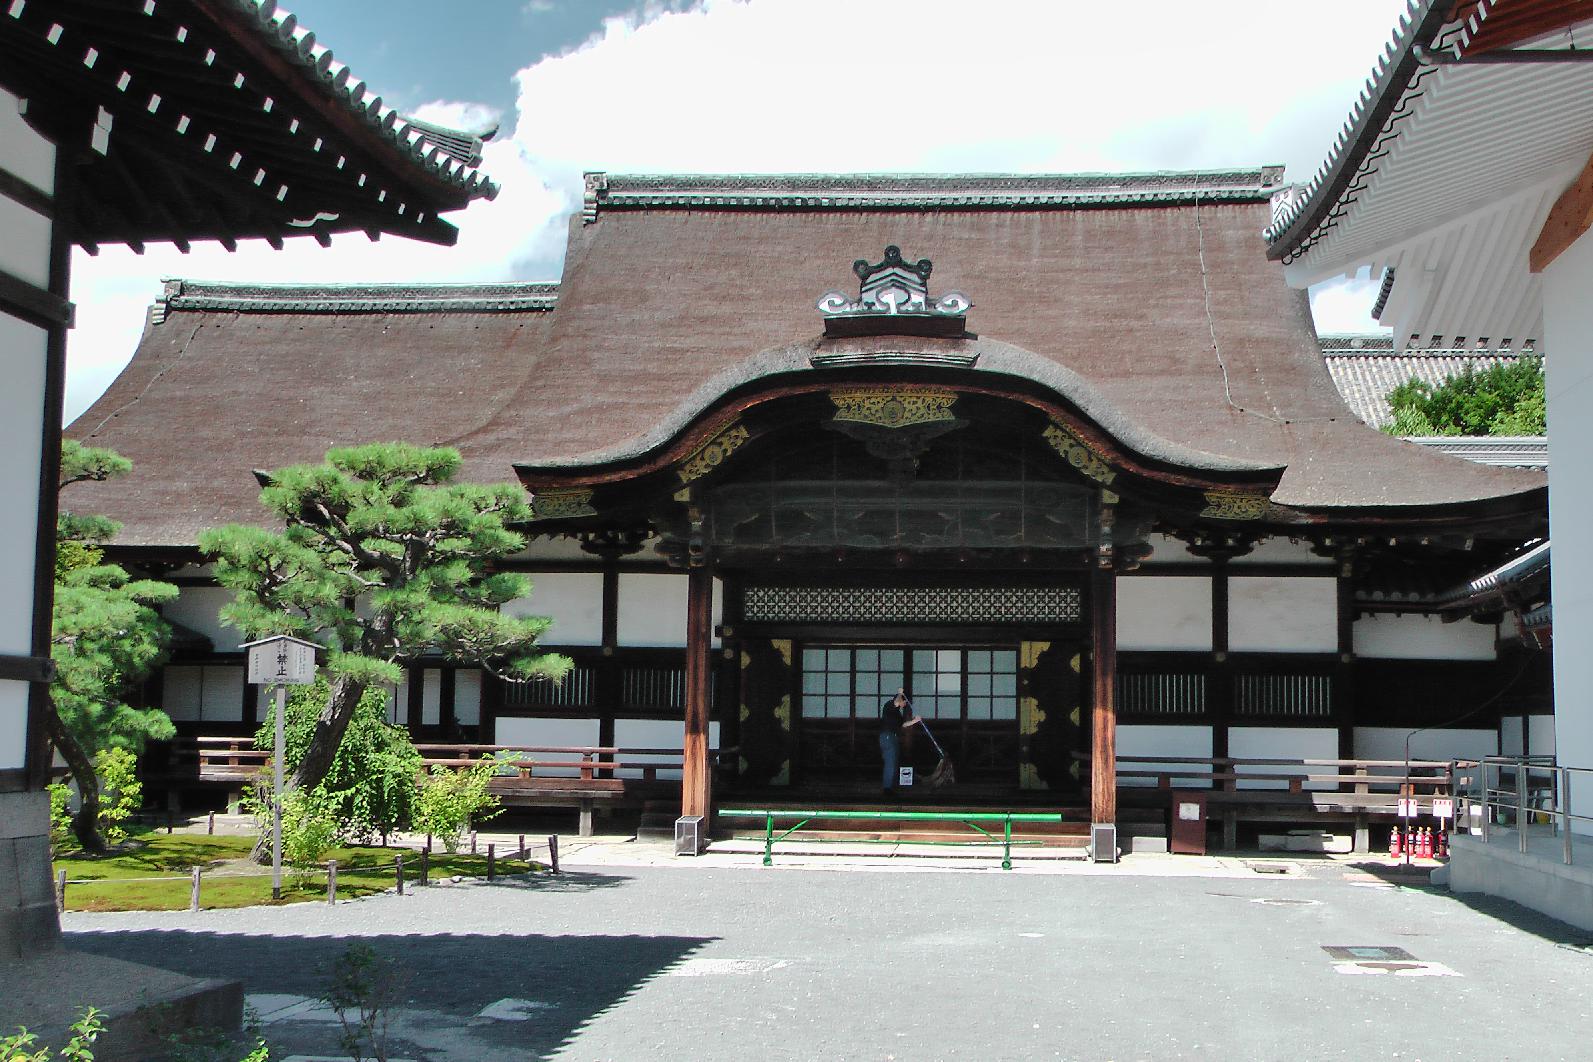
[890,750]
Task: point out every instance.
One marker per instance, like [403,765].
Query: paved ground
[635,956]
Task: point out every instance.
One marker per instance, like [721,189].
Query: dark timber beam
[1569,218]
[1103,712]
[696,790]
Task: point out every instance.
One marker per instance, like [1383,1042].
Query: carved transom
[1234,505]
[890,287]
[893,407]
[912,604]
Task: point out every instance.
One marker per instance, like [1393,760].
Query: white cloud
[837,85]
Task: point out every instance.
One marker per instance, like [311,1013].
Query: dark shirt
[891,717]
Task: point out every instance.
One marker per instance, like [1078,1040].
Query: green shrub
[60,813]
[371,786]
[121,793]
[448,800]
[309,830]
[1504,399]
[22,1046]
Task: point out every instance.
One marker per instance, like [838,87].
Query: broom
[944,773]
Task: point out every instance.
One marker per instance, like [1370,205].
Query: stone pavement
[633,954]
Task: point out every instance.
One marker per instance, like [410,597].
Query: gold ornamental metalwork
[1079,454]
[711,454]
[561,504]
[893,407]
[1234,505]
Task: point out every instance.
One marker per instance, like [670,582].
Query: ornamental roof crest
[893,298]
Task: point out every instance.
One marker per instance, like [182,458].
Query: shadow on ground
[1509,912]
[571,980]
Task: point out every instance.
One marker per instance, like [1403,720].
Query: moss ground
[151,872]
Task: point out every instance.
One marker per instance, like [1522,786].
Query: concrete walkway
[633,954]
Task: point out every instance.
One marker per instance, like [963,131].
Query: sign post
[280,661]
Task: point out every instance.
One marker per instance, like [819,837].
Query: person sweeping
[894,715]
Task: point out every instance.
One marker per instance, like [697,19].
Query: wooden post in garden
[331,881]
[60,890]
[425,866]
[210,828]
[398,866]
[472,842]
[492,859]
[193,895]
[553,852]
[521,853]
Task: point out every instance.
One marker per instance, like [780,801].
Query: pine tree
[383,558]
[107,637]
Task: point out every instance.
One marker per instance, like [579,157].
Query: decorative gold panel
[893,407]
[1078,453]
[1234,505]
[711,454]
[561,504]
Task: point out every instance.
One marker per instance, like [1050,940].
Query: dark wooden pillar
[1219,682]
[696,789]
[607,684]
[1103,721]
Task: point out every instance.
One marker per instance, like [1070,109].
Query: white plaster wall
[1388,743]
[467,696]
[1165,549]
[1409,636]
[199,609]
[211,693]
[1277,550]
[1282,615]
[430,696]
[1164,612]
[573,599]
[652,609]
[23,152]
[1303,743]
[562,733]
[1568,332]
[655,734]
[25,251]
[1510,731]
[1540,736]
[1148,740]
[24,351]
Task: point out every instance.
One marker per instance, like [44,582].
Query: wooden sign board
[281,661]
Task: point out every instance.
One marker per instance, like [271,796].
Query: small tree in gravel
[450,799]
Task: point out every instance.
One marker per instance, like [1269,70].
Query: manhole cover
[723,967]
[1368,954]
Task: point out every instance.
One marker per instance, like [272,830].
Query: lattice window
[988,605]
[1275,696]
[574,692]
[1162,693]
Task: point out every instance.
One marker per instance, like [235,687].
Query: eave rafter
[221,115]
[1569,218]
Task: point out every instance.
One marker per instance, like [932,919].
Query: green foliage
[1504,399]
[370,789]
[121,793]
[384,525]
[362,991]
[309,829]
[22,1046]
[449,800]
[60,813]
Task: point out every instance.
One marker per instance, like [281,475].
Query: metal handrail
[1523,797]
[969,819]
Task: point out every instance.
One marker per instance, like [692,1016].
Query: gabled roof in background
[1160,320]
[226,121]
[1459,145]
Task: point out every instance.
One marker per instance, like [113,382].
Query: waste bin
[1187,833]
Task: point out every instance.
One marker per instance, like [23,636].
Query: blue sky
[717,86]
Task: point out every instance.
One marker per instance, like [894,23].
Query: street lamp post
[280,661]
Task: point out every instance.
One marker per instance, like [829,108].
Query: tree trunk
[330,726]
[86,823]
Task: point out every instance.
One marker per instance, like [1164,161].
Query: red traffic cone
[1394,849]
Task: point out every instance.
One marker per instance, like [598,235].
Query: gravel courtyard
[706,961]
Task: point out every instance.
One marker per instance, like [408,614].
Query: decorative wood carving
[893,407]
[1234,505]
[562,504]
[711,454]
[1078,453]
